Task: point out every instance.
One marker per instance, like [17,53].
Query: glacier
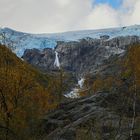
[133,30]
[19,41]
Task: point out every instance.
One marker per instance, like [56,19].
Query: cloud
[62,15]
[102,16]
[43,15]
[130,12]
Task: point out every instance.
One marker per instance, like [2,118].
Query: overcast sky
[43,16]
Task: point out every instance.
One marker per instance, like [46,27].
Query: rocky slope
[90,118]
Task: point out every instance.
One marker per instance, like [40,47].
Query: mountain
[82,57]
[74,49]
[109,112]
[79,52]
[81,85]
[19,41]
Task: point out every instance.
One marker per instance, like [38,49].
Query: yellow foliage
[23,98]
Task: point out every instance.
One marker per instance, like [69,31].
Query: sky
[48,16]
[113,3]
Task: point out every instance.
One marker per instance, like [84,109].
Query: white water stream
[75,91]
[56,62]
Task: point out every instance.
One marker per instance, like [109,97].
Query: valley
[79,85]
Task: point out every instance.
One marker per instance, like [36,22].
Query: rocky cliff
[82,57]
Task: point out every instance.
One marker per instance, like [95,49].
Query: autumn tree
[106,84]
[132,72]
[23,100]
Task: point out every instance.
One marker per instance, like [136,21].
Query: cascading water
[75,91]
[81,82]
[56,62]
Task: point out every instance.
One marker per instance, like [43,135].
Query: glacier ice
[19,41]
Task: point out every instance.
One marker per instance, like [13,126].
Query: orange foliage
[22,97]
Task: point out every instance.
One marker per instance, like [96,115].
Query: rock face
[41,59]
[92,114]
[81,57]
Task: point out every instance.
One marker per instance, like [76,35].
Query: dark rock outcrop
[41,59]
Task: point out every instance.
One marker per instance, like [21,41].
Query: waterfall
[56,62]
[81,82]
[75,91]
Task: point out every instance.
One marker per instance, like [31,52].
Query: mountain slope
[79,57]
[100,116]
[24,96]
[103,64]
[111,114]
